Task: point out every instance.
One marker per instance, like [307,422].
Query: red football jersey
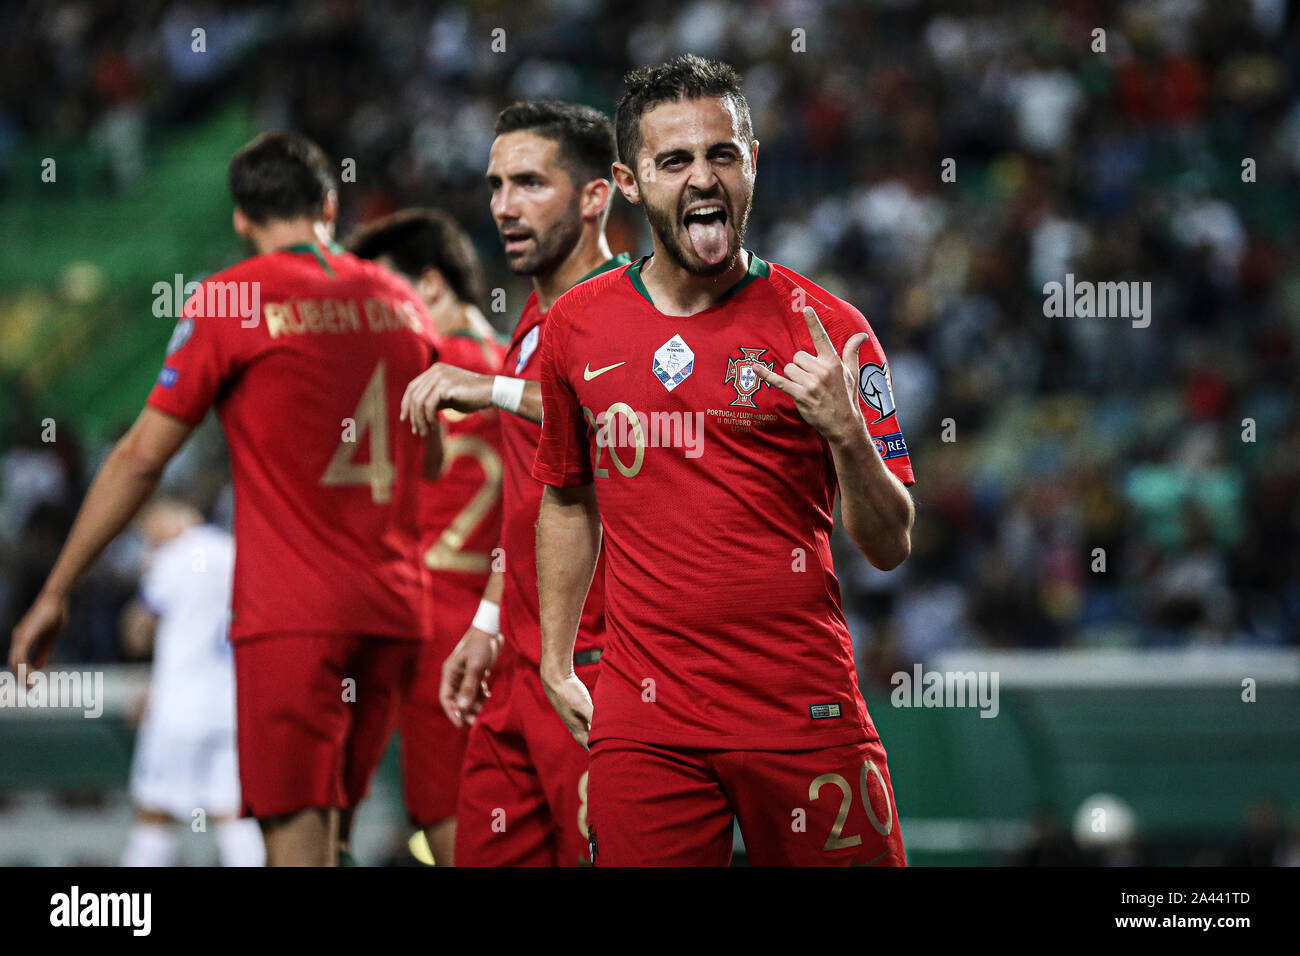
[522,500]
[460,513]
[725,626]
[308,390]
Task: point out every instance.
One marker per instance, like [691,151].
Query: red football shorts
[523,790]
[433,748]
[664,806]
[307,738]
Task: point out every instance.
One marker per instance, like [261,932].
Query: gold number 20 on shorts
[836,841]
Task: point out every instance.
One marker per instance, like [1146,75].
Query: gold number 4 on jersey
[371,417]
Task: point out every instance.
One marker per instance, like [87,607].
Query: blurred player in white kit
[185,750]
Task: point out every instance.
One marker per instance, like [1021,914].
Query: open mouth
[711,212]
[706,224]
[514,239]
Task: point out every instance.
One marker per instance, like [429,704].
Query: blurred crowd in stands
[1080,481]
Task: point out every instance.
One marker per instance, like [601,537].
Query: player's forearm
[875,506]
[495,587]
[530,406]
[123,484]
[445,386]
[568,544]
[517,396]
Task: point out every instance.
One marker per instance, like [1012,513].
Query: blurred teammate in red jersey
[715,403]
[523,791]
[460,512]
[304,351]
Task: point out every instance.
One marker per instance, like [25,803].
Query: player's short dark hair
[415,239]
[687,77]
[585,134]
[280,175]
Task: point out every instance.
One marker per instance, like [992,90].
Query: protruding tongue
[709,240]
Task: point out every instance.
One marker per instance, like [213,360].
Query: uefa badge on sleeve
[180,335]
[527,347]
[875,388]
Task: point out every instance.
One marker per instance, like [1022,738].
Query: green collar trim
[621,259]
[315,249]
[634,274]
[758,269]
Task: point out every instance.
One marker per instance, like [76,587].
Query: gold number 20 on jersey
[604,435]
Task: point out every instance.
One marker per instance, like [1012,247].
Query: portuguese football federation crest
[743,378]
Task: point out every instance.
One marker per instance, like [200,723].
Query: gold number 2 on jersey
[447,553]
[371,417]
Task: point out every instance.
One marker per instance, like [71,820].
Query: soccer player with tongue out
[727,685]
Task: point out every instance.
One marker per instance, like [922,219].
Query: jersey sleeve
[563,456]
[875,393]
[198,361]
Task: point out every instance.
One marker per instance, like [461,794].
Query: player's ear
[627,183]
[430,285]
[596,195]
[753,156]
[329,210]
[241,223]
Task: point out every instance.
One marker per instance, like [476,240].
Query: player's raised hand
[443,386]
[464,688]
[824,386]
[572,702]
[33,639]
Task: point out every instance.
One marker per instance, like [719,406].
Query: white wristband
[488,617]
[507,392]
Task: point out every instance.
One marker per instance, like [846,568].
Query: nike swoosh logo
[588,374]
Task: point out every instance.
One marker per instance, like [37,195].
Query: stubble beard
[551,247]
[664,226]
